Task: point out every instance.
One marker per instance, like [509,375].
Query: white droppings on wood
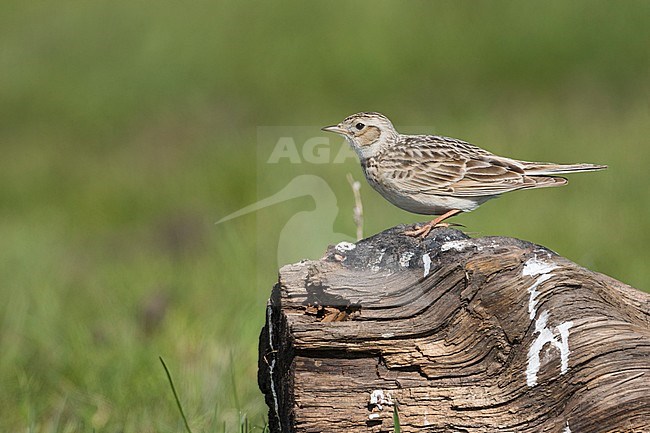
[532,301]
[269,321]
[426,260]
[388,335]
[563,329]
[380,398]
[566,428]
[373,416]
[458,245]
[405,258]
[374,265]
[345,246]
[426,421]
[545,335]
[535,266]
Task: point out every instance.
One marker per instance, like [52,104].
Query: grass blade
[398,429]
[178,402]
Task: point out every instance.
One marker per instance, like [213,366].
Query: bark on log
[461,335]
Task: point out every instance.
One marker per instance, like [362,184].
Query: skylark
[434,175]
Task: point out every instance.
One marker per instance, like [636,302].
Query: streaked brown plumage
[435,175]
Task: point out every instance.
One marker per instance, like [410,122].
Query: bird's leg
[424,230]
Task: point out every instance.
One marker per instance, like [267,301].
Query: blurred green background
[128,128]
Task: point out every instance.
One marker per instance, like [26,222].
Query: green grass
[176,398]
[396,421]
[127,130]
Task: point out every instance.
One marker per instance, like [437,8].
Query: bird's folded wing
[454,174]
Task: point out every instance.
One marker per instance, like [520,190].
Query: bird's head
[367,133]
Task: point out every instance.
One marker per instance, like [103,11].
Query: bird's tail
[548,169]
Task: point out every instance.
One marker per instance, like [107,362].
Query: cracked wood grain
[464,335]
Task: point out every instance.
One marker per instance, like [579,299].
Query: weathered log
[456,334]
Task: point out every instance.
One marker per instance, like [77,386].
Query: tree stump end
[457,333]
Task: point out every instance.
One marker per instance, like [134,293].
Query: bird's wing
[443,166]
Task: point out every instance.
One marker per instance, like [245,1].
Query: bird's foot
[423,231]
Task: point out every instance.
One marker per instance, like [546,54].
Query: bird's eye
[359,126]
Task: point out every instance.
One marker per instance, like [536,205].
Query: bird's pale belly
[428,204]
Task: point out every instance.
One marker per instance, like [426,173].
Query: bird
[437,175]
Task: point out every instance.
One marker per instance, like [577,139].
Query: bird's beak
[335,129]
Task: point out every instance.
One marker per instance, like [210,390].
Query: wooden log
[460,335]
